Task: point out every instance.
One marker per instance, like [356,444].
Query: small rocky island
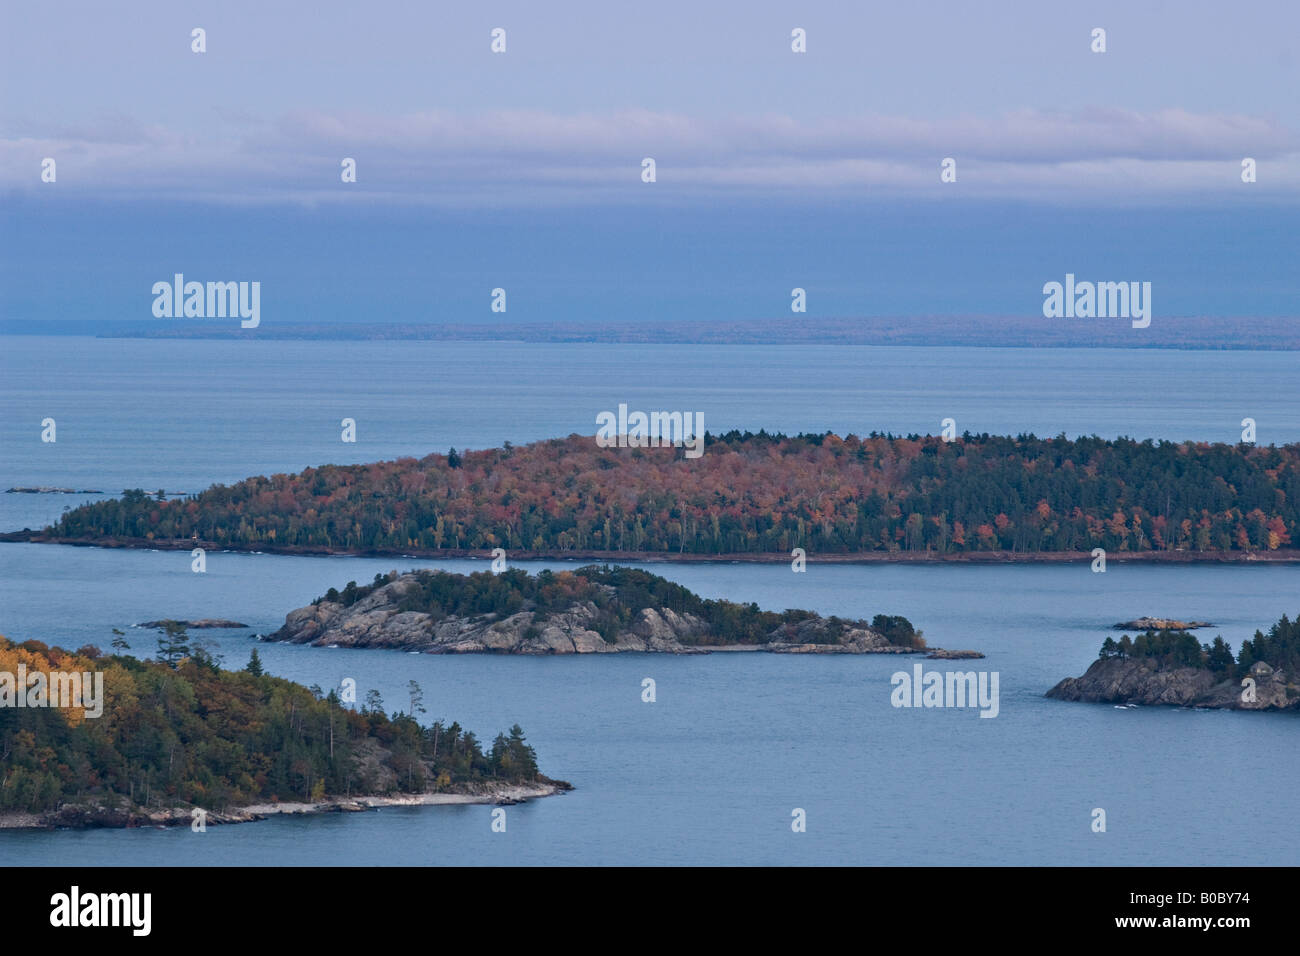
[1159,624]
[202,624]
[1171,667]
[592,610]
[47,490]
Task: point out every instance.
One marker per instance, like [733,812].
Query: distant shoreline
[1194,333]
[1280,556]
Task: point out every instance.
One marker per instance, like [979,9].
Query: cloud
[533,156]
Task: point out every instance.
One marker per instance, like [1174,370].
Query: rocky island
[1159,624]
[47,490]
[1171,667]
[202,624]
[592,610]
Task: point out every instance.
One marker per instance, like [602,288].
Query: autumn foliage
[194,734]
[749,493]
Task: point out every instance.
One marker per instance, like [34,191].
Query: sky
[523,169]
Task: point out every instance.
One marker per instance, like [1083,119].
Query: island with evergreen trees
[751,496]
[1172,667]
[586,611]
[180,734]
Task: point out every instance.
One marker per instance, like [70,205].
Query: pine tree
[254,664]
[417,698]
[523,758]
[173,646]
[1219,655]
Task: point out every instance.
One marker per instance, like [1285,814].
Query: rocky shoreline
[1142,681]
[379,621]
[1279,556]
[91,816]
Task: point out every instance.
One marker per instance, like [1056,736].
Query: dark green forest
[1279,648]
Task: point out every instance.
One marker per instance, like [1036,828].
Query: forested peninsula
[181,733]
[749,496]
[591,610]
[1172,667]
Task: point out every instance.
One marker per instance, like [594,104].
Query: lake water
[711,771]
[181,415]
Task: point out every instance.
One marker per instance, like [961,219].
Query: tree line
[750,493]
[1279,648]
[184,731]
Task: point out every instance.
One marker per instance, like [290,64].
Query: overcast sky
[523,169]
[713,92]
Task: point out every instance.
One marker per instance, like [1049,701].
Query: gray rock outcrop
[377,620]
[1143,681]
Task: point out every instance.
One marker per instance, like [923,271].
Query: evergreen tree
[1219,655]
[417,698]
[1246,656]
[203,655]
[499,758]
[254,664]
[523,758]
[173,643]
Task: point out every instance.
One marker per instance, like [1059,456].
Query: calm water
[710,772]
[181,415]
